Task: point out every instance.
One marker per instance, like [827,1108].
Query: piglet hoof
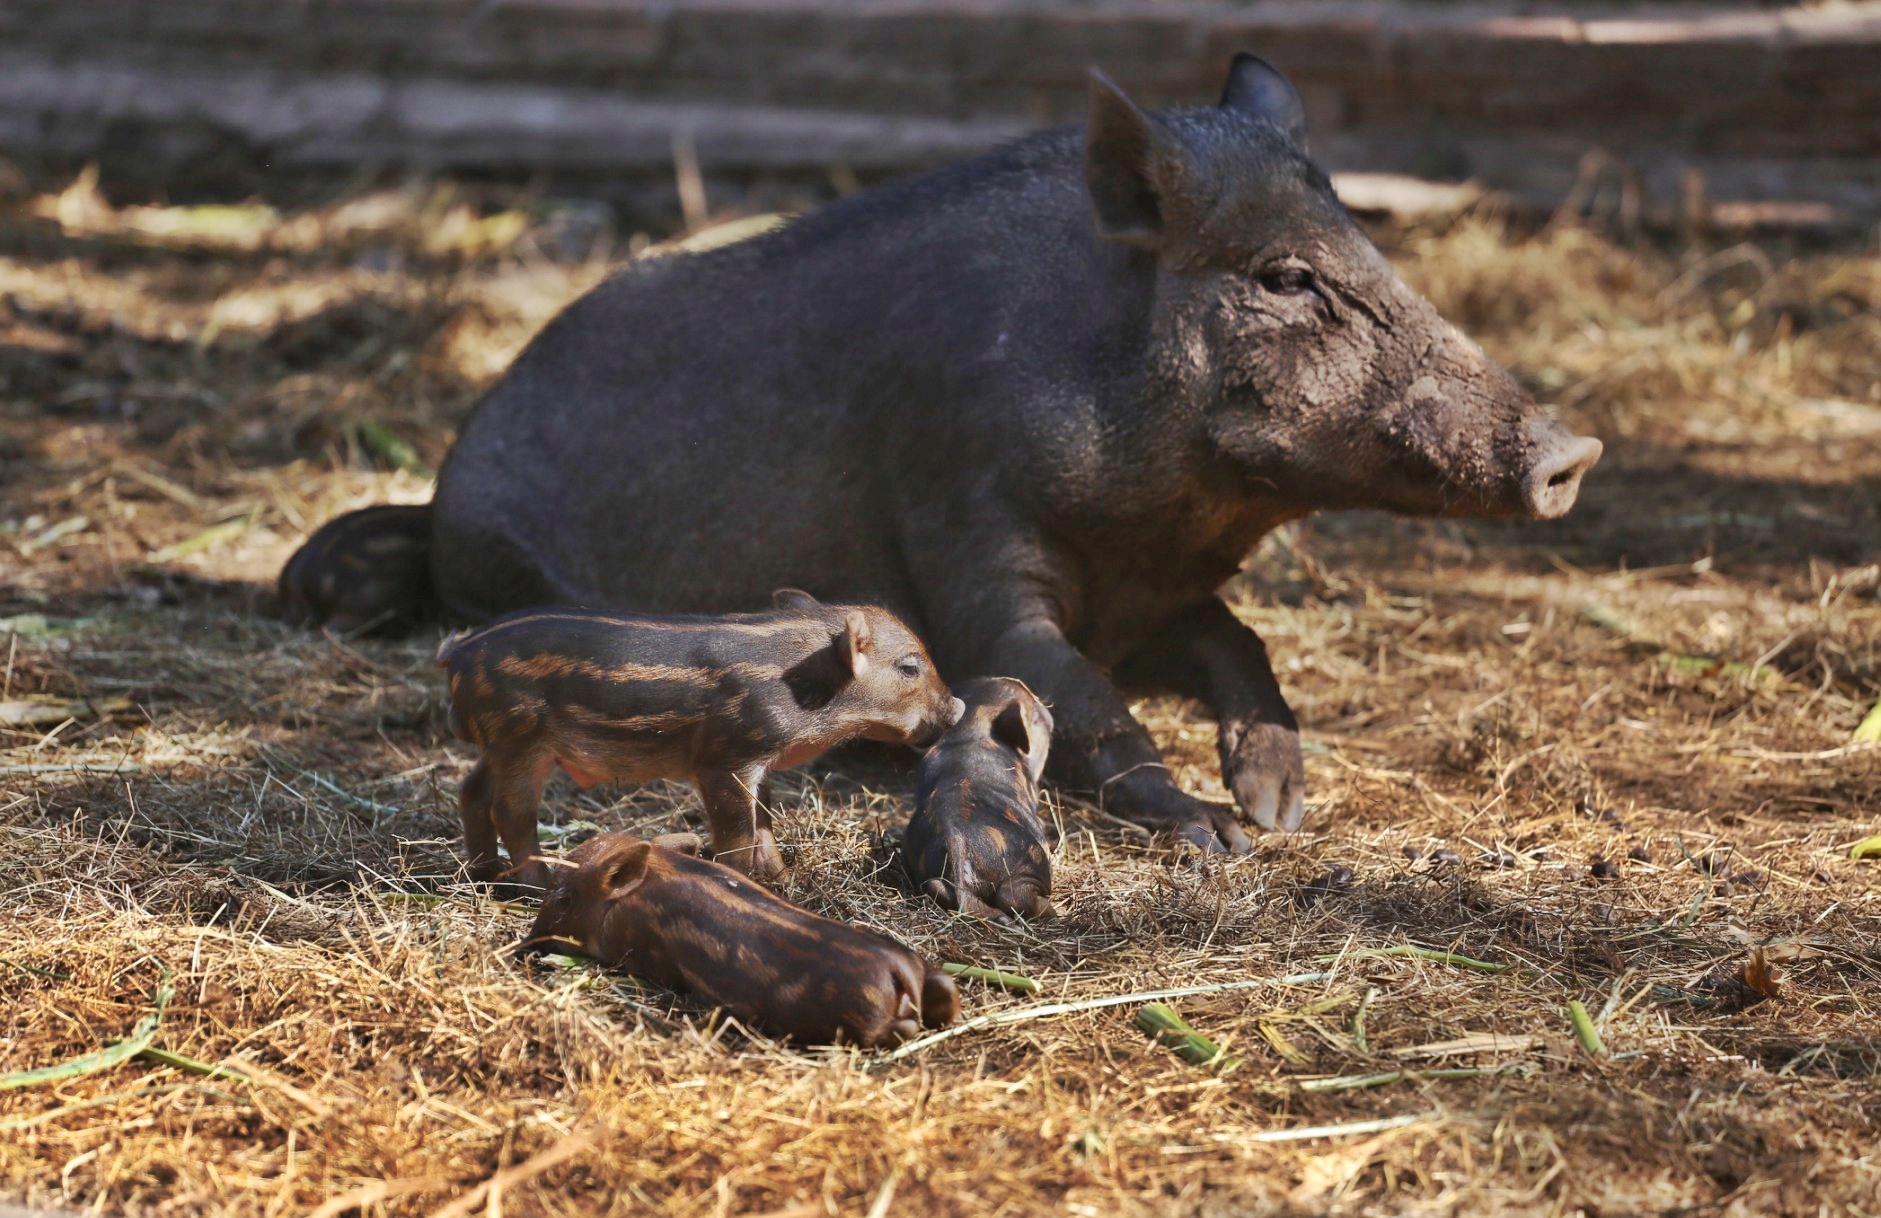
[759,859]
[767,861]
[681,843]
[525,883]
[1025,897]
[951,896]
[1262,766]
[899,1032]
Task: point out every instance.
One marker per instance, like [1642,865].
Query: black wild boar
[721,700]
[975,842]
[659,912]
[1043,403]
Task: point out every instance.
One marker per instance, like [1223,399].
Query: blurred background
[1721,113]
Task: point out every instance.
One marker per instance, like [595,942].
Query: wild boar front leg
[1097,747]
[1208,654]
[739,823]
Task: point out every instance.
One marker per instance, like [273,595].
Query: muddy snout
[1560,460]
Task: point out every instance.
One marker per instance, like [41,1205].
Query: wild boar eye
[1287,280]
[909,667]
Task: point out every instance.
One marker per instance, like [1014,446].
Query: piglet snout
[933,729]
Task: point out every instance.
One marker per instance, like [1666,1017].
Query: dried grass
[1675,670]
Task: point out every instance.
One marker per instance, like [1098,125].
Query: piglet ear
[1259,88]
[816,679]
[794,598]
[626,870]
[1009,728]
[852,645]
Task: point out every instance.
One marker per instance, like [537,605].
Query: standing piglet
[658,911]
[975,842]
[721,700]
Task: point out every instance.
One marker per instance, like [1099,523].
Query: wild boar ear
[853,643]
[1122,159]
[626,870]
[794,598]
[1259,88]
[1009,728]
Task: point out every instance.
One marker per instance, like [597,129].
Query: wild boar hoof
[1262,766]
[1220,833]
[1144,795]
[1210,828]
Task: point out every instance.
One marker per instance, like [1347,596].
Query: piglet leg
[473,807]
[516,780]
[740,826]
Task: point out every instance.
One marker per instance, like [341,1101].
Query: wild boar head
[1317,376]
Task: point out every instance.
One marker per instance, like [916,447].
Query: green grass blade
[107,1058]
[1584,1029]
[1010,981]
[1168,1029]
[192,1065]
[90,1063]
[1869,730]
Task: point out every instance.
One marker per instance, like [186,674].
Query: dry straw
[1508,728]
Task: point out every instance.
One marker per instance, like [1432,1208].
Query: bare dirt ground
[1607,759]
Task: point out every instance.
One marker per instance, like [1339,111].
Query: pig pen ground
[1608,759]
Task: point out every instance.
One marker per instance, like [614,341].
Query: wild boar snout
[1560,460]
[955,709]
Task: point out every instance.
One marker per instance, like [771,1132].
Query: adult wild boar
[1042,403]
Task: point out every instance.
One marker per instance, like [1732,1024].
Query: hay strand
[1051,1009]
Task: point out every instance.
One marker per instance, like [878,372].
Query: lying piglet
[658,911]
[975,842]
[722,700]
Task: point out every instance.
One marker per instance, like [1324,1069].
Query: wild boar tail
[366,572]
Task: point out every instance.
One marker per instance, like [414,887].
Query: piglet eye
[1287,280]
[908,667]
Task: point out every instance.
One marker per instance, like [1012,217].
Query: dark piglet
[659,912]
[721,700]
[975,842]
[1043,403]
